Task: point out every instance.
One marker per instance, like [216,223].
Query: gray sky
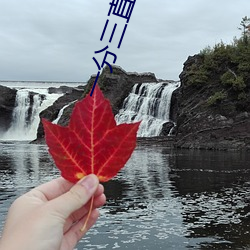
[56,39]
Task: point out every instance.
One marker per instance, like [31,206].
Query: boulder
[52,112]
[166,128]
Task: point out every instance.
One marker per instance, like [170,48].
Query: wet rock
[166,128]
[52,112]
[7,105]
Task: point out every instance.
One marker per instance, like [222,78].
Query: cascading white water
[149,103]
[25,117]
[20,112]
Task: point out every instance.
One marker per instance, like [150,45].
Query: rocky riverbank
[205,121]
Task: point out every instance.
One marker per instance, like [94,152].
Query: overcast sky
[56,39]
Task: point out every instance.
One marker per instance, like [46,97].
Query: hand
[50,216]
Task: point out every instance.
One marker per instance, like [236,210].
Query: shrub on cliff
[226,67]
[232,80]
[216,98]
[197,75]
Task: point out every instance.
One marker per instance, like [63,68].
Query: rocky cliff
[7,104]
[210,114]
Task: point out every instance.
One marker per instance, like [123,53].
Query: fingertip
[100,201]
[95,213]
[103,199]
[101,187]
[99,190]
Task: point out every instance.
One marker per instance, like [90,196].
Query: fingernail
[89,182]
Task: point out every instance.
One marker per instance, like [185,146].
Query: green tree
[245,28]
[216,98]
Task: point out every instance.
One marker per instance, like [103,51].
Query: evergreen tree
[245,28]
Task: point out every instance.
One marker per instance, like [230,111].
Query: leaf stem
[84,228]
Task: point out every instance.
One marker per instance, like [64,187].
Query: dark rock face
[117,86]
[64,90]
[52,112]
[166,128]
[202,126]
[7,104]
[176,98]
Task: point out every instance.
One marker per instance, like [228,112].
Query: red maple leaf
[92,142]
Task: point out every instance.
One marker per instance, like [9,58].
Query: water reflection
[22,167]
[160,200]
[26,164]
[214,187]
[142,210]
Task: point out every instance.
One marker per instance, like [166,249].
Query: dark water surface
[161,200]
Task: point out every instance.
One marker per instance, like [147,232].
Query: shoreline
[171,143]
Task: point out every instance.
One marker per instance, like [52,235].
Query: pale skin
[50,216]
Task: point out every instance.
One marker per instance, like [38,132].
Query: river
[162,199]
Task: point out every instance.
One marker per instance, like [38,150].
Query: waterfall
[25,117]
[149,103]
